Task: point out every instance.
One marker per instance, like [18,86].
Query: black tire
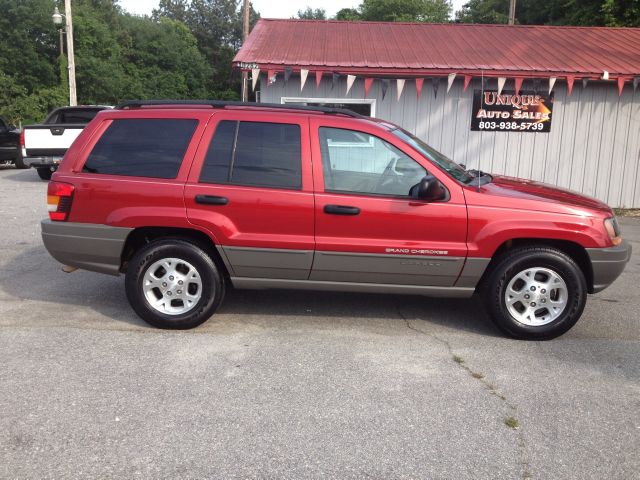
[44,173]
[19,163]
[212,283]
[518,260]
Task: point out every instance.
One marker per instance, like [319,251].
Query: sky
[267,8]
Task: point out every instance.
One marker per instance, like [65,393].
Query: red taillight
[22,139]
[59,198]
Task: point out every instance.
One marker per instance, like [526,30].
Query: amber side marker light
[613,230]
[59,198]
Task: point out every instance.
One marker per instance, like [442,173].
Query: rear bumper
[607,264]
[85,245]
[41,161]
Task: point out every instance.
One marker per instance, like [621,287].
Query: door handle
[211,200]
[341,210]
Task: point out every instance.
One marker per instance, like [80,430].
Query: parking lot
[286,384]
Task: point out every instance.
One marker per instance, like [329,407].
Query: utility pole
[245,35]
[512,12]
[73,99]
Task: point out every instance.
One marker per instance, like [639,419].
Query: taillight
[22,139]
[59,198]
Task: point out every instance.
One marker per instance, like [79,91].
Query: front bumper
[608,263]
[85,245]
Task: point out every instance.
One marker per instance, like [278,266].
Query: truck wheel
[19,163]
[535,293]
[173,284]
[44,173]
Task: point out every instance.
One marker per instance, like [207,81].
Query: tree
[311,14]
[437,11]
[484,11]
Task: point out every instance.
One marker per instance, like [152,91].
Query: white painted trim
[363,101]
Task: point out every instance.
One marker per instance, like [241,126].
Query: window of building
[142,147]
[254,154]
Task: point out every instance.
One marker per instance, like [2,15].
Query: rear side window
[142,147]
[254,154]
[72,116]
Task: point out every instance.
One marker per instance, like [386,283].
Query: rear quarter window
[142,148]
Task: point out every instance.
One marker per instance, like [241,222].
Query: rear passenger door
[251,187]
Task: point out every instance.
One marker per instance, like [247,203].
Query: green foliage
[436,11]
[311,14]
[610,13]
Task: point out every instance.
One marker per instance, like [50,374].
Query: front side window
[381,169]
[257,154]
[142,147]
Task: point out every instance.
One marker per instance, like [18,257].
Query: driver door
[368,229]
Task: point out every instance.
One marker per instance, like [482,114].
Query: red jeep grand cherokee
[187,198]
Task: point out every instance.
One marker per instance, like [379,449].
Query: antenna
[481,101]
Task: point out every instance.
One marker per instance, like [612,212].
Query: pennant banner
[584,82]
[367,85]
[350,80]
[570,80]
[318,77]
[552,82]
[399,87]
[621,81]
[384,85]
[435,82]
[518,84]
[334,80]
[287,74]
[450,79]
[467,81]
[255,74]
[419,83]
[303,77]
[501,82]
[271,77]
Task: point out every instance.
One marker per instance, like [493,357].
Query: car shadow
[26,175]
[33,275]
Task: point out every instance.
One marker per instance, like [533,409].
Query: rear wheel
[535,293]
[44,173]
[174,284]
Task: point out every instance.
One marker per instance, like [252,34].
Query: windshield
[448,165]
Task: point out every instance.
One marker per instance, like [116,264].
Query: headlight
[613,230]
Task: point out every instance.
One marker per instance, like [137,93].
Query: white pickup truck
[44,145]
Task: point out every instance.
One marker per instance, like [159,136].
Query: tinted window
[72,116]
[356,162]
[254,154]
[142,148]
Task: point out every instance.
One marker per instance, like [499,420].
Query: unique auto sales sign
[508,112]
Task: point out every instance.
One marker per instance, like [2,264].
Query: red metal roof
[418,49]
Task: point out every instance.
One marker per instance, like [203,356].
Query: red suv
[187,198]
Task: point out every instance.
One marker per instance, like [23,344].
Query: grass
[627,212]
[511,422]
[458,360]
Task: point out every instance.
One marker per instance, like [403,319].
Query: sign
[508,112]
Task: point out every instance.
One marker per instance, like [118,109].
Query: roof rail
[129,104]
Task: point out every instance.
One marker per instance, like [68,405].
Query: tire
[44,173]
[19,163]
[519,304]
[173,311]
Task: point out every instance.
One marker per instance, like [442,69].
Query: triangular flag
[287,74]
[367,85]
[271,77]
[584,82]
[570,80]
[435,81]
[636,82]
[467,81]
[518,84]
[384,85]
[621,81]
[485,83]
[552,82]
[350,80]
[255,74]
[501,82]
[334,80]
[399,86]
[318,77]
[303,77]
[452,77]
[419,83]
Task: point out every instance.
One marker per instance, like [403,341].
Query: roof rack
[129,104]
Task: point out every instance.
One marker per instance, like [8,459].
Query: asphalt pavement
[283,384]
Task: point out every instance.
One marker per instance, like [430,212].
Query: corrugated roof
[415,49]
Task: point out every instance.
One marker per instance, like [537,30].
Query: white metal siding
[593,146]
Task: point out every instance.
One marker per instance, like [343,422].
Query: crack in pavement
[492,389]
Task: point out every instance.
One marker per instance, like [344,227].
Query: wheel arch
[574,250]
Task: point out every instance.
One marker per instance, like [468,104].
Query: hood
[520,189]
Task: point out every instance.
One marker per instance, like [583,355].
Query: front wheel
[535,293]
[173,284]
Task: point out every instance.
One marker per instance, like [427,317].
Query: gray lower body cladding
[607,264]
[97,248]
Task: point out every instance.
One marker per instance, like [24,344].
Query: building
[554,104]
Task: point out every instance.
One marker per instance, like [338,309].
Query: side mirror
[429,189]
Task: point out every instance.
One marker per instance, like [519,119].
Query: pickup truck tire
[19,163]
[44,173]
[535,293]
[173,284]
